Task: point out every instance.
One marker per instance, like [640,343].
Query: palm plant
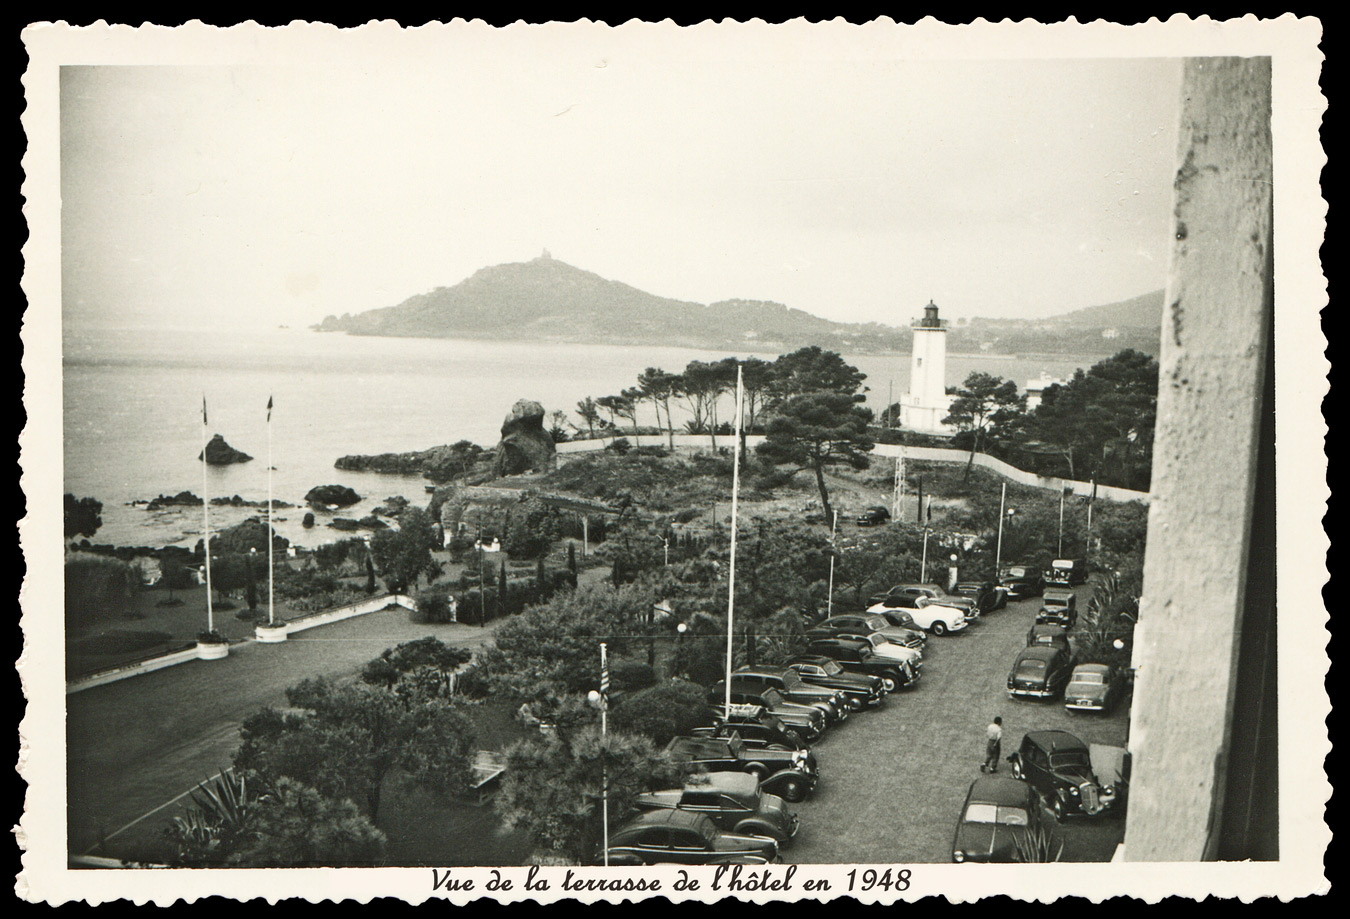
[217,818]
[1037,844]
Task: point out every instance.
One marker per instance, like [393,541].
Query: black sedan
[873,516]
[1039,672]
[863,690]
[1058,767]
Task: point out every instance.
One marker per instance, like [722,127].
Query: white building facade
[927,402]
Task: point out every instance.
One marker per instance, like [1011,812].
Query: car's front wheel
[792,789]
[939,628]
[1057,808]
[1017,769]
[758,770]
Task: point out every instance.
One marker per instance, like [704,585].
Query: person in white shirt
[993,745]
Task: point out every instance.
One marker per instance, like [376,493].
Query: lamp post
[482,586]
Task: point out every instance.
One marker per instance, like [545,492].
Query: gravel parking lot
[893,780]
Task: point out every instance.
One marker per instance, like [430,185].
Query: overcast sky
[853,188]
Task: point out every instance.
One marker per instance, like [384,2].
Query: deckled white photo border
[1300,366]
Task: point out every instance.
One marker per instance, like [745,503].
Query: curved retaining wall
[696,442]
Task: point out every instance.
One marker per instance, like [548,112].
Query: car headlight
[1108,790]
[958,856]
[1074,791]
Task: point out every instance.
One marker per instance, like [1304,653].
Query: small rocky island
[219,453]
[326,496]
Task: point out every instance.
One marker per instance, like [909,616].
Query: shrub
[98,589]
[433,605]
[627,676]
[619,445]
[662,712]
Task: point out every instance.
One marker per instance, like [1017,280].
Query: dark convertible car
[673,836]
[790,774]
[996,810]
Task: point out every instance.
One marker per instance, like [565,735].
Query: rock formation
[525,445]
[323,496]
[219,453]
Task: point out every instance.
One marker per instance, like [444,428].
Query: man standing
[993,745]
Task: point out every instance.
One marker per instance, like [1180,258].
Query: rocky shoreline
[188,499]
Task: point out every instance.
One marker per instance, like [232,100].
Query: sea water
[132,403]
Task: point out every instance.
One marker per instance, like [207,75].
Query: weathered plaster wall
[1218,306]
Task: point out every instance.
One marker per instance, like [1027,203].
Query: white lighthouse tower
[927,402]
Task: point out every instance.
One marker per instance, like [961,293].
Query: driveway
[893,780]
[134,745]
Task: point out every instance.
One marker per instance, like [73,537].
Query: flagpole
[735,497]
[1087,549]
[829,602]
[604,733]
[206,527]
[1061,522]
[271,618]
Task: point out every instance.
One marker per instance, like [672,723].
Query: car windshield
[877,623]
[1060,760]
[994,813]
[771,697]
[1097,678]
[831,668]
[1017,572]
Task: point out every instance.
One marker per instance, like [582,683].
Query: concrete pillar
[1213,360]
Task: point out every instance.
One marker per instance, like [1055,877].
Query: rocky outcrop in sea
[326,496]
[219,453]
[188,499]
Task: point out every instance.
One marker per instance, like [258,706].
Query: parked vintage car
[757,726]
[790,774]
[986,595]
[873,516]
[732,800]
[1066,571]
[858,657]
[1039,672]
[913,596]
[1093,688]
[673,836]
[1058,767]
[1021,581]
[900,618]
[864,623]
[832,703]
[807,720]
[888,650]
[1049,635]
[864,690]
[995,811]
[1058,605]
[930,616]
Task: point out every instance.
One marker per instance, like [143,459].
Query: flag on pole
[204,411]
[269,409]
[604,678]
[930,510]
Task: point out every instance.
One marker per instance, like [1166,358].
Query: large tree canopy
[813,369]
[983,404]
[1102,420]
[817,430]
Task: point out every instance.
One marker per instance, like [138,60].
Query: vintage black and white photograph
[763,454]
